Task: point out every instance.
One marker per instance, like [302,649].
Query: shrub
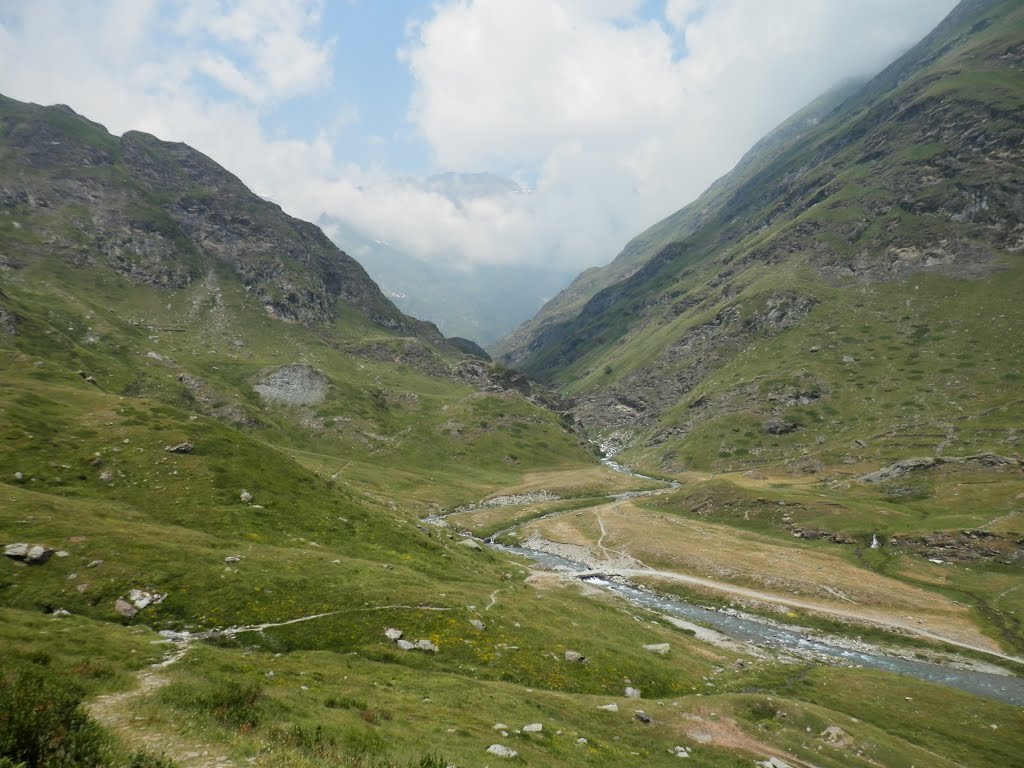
[42,723]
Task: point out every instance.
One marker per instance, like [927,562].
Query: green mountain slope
[859,284]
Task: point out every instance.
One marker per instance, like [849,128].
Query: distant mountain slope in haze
[482,302]
[857,282]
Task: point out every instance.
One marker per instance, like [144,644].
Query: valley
[750,495]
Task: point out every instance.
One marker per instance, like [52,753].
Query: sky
[609,114]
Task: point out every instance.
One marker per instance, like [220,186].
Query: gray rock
[38,555]
[426,645]
[631,692]
[393,634]
[613,707]
[478,625]
[533,728]
[180,448]
[19,477]
[94,564]
[499,727]
[659,648]
[60,613]
[294,385]
[245,496]
[142,599]
[106,476]
[125,608]
[470,544]
[780,427]
[774,762]
[405,645]
[681,752]
[499,750]
[643,717]
[232,559]
[62,553]
[575,657]
[16,551]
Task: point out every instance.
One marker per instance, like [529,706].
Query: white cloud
[615,120]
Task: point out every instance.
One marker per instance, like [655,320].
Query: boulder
[16,551]
[426,645]
[393,634]
[642,716]
[405,645]
[533,728]
[245,496]
[631,692]
[575,657]
[613,707]
[659,648]
[499,750]
[125,608]
[180,448]
[232,559]
[38,555]
[478,625]
[470,544]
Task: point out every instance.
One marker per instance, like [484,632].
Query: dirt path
[118,713]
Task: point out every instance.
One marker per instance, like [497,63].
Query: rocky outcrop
[293,385]
[905,466]
[164,214]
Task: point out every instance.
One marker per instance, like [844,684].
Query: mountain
[482,302]
[847,293]
[251,514]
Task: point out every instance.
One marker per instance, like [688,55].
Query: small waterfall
[875,543]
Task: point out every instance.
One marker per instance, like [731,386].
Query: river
[777,638]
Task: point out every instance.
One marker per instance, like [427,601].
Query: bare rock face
[294,385]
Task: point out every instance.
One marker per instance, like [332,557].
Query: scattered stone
[499,750]
[180,448]
[232,559]
[61,613]
[681,752]
[16,551]
[582,740]
[613,707]
[575,657]
[393,634]
[499,727]
[642,716]
[62,553]
[470,544]
[245,496]
[94,564]
[478,625]
[774,762]
[659,648]
[533,728]
[125,608]
[631,692]
[426,645]
[106,476]
[848,359]
[83,587]
[405,645]
[19,477]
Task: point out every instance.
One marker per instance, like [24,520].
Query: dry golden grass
[756,567]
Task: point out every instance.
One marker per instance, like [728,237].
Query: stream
[777,638]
